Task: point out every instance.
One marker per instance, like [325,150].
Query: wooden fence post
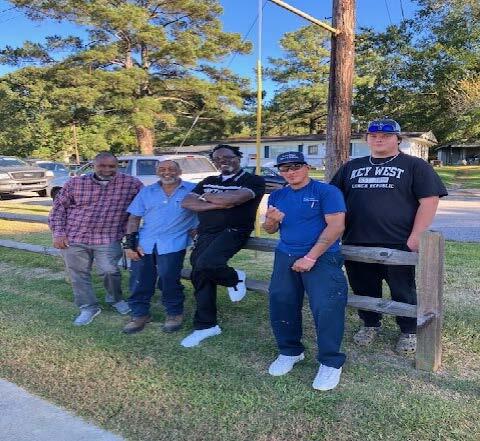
[430,309]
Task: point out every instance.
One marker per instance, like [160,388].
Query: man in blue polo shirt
[157,251]
[310,216]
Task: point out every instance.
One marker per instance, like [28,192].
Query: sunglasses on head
[390,128]
[288,167]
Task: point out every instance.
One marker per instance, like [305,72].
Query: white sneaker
[86,316]
[238,291]
[327,378]
[284,364]
[197,336]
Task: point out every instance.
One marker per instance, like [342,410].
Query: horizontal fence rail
[430,270]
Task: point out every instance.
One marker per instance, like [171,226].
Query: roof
[423,137]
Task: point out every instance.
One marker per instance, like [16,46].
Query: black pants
[209,268]
[366,280]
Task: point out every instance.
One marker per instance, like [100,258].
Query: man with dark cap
[226,206]
[310,216]
[391,200]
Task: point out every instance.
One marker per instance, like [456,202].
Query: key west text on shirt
[376,176]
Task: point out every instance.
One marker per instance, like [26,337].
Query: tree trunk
[340,87]
[145,140]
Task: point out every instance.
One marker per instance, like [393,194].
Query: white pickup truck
[194,169]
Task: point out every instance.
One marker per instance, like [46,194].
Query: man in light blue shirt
[157,249]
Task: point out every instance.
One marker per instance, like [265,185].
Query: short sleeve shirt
[165,222]
[305,210]
[383,198]
[240,217]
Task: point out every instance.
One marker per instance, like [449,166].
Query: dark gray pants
[79,259]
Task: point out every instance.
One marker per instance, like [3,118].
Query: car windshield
[11,162]
[195,165]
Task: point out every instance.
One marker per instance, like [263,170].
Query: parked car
[56,168]
[16,175]
[194,169]
[273,180]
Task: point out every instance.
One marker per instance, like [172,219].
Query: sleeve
[333,201]
[199,188]
[426,182]
[256,184]
[339,178]
[57,219]
[137,207]
[271,199]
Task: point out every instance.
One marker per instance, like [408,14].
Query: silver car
[194,169]
[16,175]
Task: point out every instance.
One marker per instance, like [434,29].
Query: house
[312,146]
[452,154]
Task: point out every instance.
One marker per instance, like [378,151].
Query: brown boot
[136,324]
[172,323]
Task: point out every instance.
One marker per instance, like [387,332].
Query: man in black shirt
[226,207]
[391,200]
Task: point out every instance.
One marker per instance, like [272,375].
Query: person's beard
[104,178]
[168,181]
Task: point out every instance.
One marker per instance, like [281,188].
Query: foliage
[299,105]
[147,62]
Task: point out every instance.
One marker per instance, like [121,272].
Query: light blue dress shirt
[165,222]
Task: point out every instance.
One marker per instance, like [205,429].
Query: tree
[148,61]
[300,104]
[421,69]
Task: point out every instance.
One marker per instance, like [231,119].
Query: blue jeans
[151,269]
[326,287]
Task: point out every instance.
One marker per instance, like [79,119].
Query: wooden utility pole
[340,87]
[75,142]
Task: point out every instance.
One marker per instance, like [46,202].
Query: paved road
[24,417]
[458,216]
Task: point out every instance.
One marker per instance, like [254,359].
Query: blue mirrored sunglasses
[382,128]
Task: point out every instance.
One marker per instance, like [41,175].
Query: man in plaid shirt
[88,220]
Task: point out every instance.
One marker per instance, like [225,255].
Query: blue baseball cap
[384,126]
[289,158]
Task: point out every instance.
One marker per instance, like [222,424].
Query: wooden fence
[430,274]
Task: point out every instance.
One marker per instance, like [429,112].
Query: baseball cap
[290,157]
[384,126]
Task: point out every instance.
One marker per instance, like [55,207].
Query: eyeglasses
[287,167]
[380,127]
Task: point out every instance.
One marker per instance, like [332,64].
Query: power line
[388,12]
[247,34]
[401,9]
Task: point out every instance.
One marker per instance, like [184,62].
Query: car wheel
[42,193]
[55,192]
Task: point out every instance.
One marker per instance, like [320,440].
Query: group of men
[386,199]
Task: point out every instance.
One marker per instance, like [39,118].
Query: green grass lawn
[147,387]
[460,176]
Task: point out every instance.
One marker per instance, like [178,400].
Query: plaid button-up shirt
[91,213]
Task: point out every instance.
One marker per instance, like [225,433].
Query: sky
[238,16]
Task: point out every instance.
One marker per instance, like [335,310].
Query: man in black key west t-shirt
[226,207]
[391,199]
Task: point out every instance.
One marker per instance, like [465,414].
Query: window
[125,166]
[195,165]
[359,150]
[11,162]
[313,150]
[146,167]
